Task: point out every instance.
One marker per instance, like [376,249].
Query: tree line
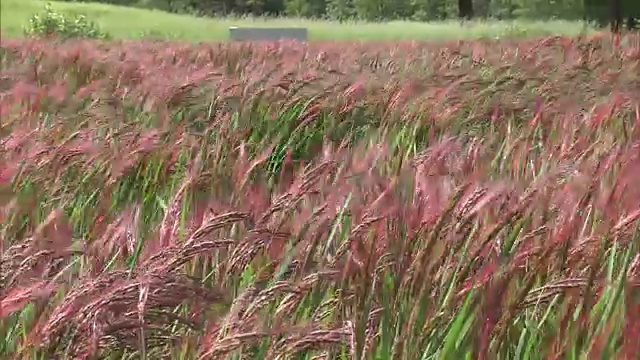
[384,10]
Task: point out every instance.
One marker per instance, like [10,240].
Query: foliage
[51,22]
[134,23]
[372,9]
[600,10]
[389,201]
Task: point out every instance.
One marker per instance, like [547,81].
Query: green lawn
[122,22]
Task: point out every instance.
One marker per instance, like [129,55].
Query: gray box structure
[267,34]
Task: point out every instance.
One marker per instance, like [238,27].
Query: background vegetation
[372,10]
[132,22]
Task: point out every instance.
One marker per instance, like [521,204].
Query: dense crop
[400,201]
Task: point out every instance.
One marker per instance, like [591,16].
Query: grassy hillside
[122,22]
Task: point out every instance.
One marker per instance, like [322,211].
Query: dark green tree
[340,10]
[465,9]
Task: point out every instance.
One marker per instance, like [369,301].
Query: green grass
[131,23]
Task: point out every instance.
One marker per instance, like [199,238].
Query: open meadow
[407,200]
[133,23]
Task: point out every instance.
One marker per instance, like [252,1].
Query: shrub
[52,22]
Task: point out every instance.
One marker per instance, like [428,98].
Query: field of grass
[468,200]
[130,23]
